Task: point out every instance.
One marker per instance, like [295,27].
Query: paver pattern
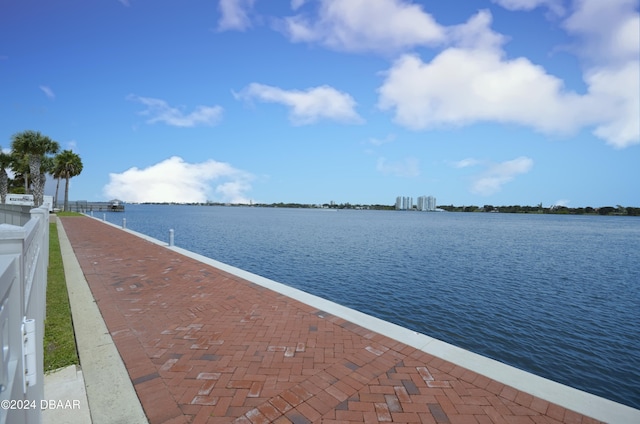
[204,346]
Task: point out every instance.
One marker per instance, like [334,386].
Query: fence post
[124,222]
[171,237]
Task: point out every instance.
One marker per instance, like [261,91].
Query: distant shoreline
[539,209]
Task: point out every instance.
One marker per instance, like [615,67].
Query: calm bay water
[558,296]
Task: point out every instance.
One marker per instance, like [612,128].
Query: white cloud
[463,86]
[174,180]
[561,202]
[380,141]
[474,81]
[297,4]
[554,5]
[465,163]
[497,175]
[476,33]
[614,93]
[125,3]
[234,190]
[235,14]
[159,111]
[608,31]
[363,25]
[307,106]
[608,40]
[408,167]
[48,92]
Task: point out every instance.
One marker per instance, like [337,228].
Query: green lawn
[68,214]
[59,338]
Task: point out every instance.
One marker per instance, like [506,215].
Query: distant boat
[116,205]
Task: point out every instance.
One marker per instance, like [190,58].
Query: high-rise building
[431,203]
[404,203]
[426,203]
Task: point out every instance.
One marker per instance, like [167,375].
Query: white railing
[24,256]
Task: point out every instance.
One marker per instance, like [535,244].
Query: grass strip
[69,213]
[59,339]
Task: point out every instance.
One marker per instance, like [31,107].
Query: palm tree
[67,165]
[56,172]
[20,167]
[36,146]
[5,162]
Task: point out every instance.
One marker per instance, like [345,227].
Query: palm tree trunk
[36,177]
[66,194]
[4,185]
[55,199]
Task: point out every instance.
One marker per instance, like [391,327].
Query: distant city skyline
[424,203]
[501,102]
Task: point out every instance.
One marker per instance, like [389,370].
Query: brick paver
[204,346]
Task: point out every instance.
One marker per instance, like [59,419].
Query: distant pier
[83,206]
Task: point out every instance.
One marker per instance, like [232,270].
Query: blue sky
[478,102]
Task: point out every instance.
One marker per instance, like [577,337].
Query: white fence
[24,256]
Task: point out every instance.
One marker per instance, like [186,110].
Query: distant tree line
[327,206]
[33,156]
[561,210]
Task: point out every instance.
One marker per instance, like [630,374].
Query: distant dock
[83,206]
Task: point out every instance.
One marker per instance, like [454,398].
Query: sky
[475,102]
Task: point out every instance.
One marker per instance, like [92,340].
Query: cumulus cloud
[174,180]
[473,81]
[463,86]
[608,31]
[614,94]
[363,25]
[408,167]
[554,5]
[608,41]
[159,111]
[308,106]
[497,175]
[48,92]
[234,14]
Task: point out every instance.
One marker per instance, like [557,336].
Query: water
[558,296]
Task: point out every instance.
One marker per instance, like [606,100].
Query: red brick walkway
[204,346]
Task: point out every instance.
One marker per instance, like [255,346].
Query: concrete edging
[110,392]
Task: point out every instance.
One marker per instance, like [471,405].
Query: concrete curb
[111,395]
